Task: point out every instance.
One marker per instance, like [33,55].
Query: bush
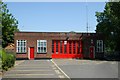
[112,56]
[8,60]
[11,60]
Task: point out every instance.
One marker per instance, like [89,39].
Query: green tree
[9,25]
[109,25]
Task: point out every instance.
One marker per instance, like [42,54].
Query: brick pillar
[72,47]
[80,46]
[54,47]
[76,47]
[82,55]
[58,47]
[63,47]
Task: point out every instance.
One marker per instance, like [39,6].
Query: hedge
[8,60]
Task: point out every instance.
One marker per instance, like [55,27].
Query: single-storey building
[36,45]
[10,48]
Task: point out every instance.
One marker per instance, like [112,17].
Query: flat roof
[51,32]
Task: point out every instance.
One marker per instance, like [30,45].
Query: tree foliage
[109,25]
[9,25]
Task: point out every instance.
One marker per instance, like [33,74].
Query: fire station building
[36,45]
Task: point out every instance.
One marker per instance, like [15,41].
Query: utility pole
[86,44]
[86,17]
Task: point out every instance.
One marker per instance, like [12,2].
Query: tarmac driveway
[67,69]
[34,69]
[75,68]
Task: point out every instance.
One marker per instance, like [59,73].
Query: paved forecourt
[35,69]
[75,68]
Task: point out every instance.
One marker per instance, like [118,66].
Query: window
[99,45]
[41,46]
[21,46]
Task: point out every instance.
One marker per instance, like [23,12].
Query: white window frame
[39,44]
[99,46]
[24,50]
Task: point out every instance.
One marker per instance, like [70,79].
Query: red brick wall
[32,38]
[22,55]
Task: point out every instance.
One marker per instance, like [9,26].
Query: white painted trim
[42,46]
[16,45]
[100,47]
[29,52]
[19,47]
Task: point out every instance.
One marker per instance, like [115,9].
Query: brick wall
[32,38]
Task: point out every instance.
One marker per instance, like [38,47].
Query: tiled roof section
[24,33]
[10,46]
[53,32]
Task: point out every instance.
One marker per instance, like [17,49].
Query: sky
[55,16]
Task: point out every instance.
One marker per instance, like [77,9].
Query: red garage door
[66,49]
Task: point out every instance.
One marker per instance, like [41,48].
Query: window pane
[24,49]
[41,44]
[18,43]
[41,49]
[44,44]
[21,43]
[24,43]
[38,49]
[44,49]
[18,49]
